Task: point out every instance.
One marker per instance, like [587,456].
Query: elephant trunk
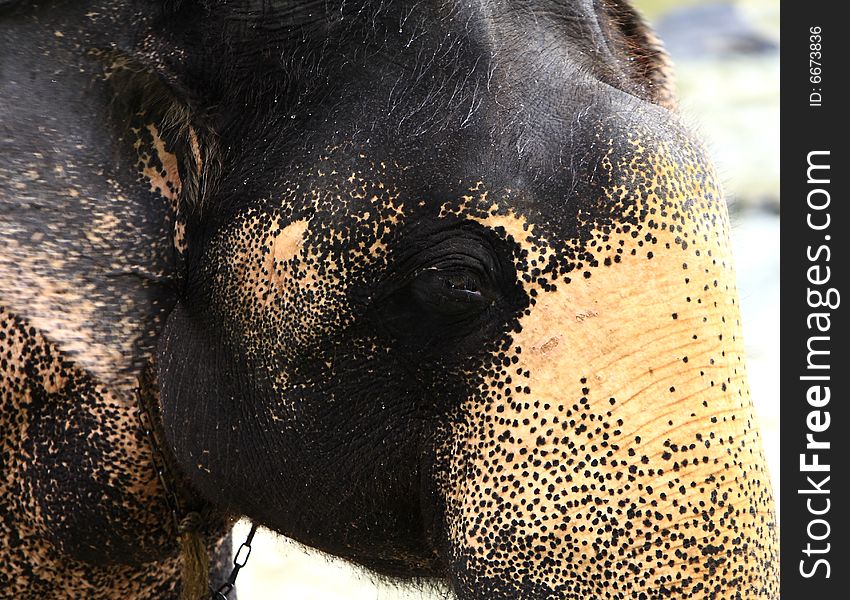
[612,450]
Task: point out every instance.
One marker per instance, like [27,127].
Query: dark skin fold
[440,288]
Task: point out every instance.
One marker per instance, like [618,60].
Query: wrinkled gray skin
[441,288]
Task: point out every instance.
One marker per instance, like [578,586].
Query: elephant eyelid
[451,292]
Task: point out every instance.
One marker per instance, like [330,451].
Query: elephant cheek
[613,451]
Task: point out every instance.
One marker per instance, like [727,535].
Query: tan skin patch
[289,241]
[272,256]
[165,181]
[195,147]
[284,247]
[159,167]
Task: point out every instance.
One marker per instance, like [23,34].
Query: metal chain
[239,560]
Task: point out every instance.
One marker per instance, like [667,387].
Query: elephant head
[457,298]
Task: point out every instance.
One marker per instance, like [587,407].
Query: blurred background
[726,54]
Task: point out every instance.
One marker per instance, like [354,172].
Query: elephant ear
[174,145]
[642,54]
[102,166]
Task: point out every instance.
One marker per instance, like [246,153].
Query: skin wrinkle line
[696,365]
[702,391]
[652,342]
[660,382]
[648,441]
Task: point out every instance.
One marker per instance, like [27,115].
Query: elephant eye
[450,292]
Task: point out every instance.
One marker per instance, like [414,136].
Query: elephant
[441,288]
